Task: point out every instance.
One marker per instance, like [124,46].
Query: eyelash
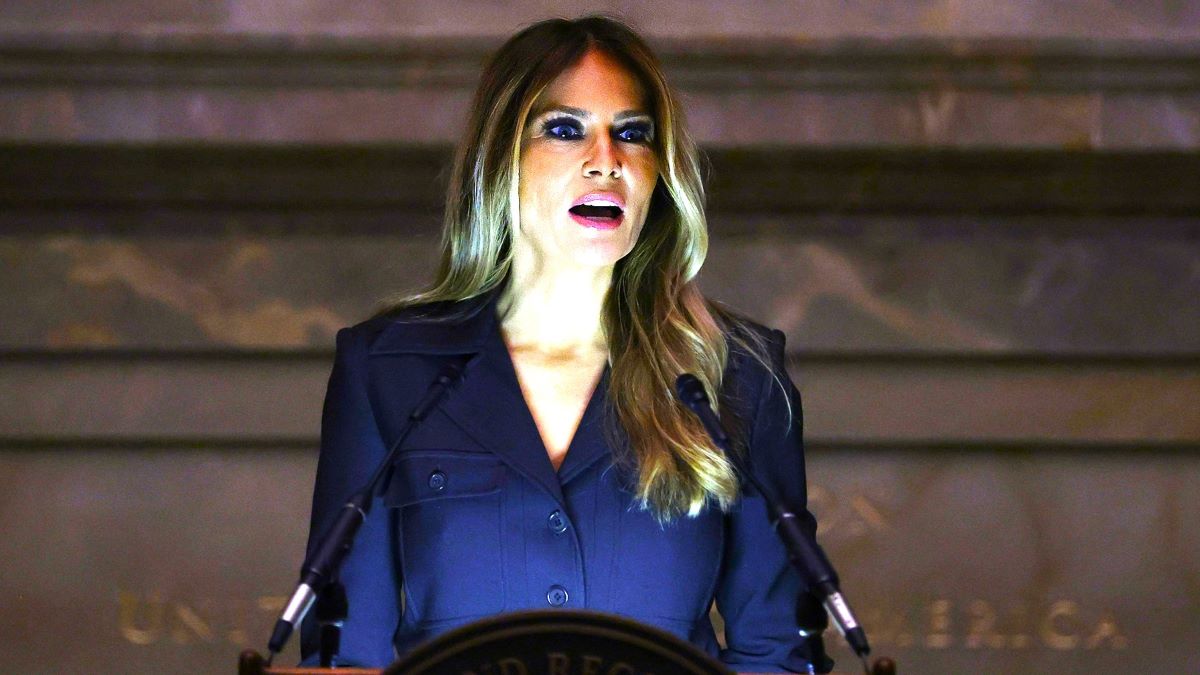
[550,125]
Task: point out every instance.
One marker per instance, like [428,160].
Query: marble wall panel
[846,285]
[1097,19]
[279,115]
[976,292]
[154,562]
[942,117]
[208,400]
[1028,563]
[171,559]
[1122,117]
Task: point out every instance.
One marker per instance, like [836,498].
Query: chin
[598,256]
[598,249]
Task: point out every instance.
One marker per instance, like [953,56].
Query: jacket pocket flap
[425,475]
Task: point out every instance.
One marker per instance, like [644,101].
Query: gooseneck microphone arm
[333,547]
[803,551]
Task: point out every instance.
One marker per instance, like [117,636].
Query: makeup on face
[599,210]
[588,166]
[567,124]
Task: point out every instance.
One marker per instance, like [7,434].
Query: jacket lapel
[487,404]
[590,442]
[490,408]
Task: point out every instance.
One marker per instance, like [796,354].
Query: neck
[554,309]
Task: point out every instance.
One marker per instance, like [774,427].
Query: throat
[557,390]
[556,326]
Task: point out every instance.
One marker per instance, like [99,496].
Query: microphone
[334,546]
[803,551]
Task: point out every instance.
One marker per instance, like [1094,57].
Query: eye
[563,129]
[635,133]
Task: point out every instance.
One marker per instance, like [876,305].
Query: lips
[599,210]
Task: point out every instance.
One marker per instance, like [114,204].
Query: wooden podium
[252,663]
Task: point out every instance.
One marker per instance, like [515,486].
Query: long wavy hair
[656,322]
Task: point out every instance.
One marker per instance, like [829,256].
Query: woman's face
[587,168]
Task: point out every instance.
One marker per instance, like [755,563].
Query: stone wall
[976,223]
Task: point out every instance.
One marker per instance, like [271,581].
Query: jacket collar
[442,328]
[488,404]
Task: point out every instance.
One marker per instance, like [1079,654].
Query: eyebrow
[580,112]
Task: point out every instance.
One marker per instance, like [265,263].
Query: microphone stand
[812,621]
[332,610]
[804,553]
[334,546]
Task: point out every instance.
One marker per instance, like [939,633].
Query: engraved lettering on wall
[977,624]
[153,617]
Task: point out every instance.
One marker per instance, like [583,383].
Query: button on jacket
[475,521]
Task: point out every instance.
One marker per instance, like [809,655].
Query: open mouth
[597,216]
[598,212]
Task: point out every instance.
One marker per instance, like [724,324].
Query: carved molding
[379,188]
[707,65]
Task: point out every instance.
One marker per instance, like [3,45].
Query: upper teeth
[600,202]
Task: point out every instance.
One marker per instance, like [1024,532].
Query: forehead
[598,83]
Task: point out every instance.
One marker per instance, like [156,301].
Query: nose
[603,159]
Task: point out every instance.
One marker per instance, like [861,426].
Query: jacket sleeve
[758,587]
[351,449]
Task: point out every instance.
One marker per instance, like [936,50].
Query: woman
[561,471]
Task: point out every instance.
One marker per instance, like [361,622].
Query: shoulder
[754,349]
[756,369]
[365,331]
[435,327]
[442,311]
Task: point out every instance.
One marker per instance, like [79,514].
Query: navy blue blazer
[475,521]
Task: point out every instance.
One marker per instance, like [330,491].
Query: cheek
[646,171]
[540,182]
[528,178]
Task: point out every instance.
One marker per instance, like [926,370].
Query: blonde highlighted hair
[655,320]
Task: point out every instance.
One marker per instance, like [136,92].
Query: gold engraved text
[978,624]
